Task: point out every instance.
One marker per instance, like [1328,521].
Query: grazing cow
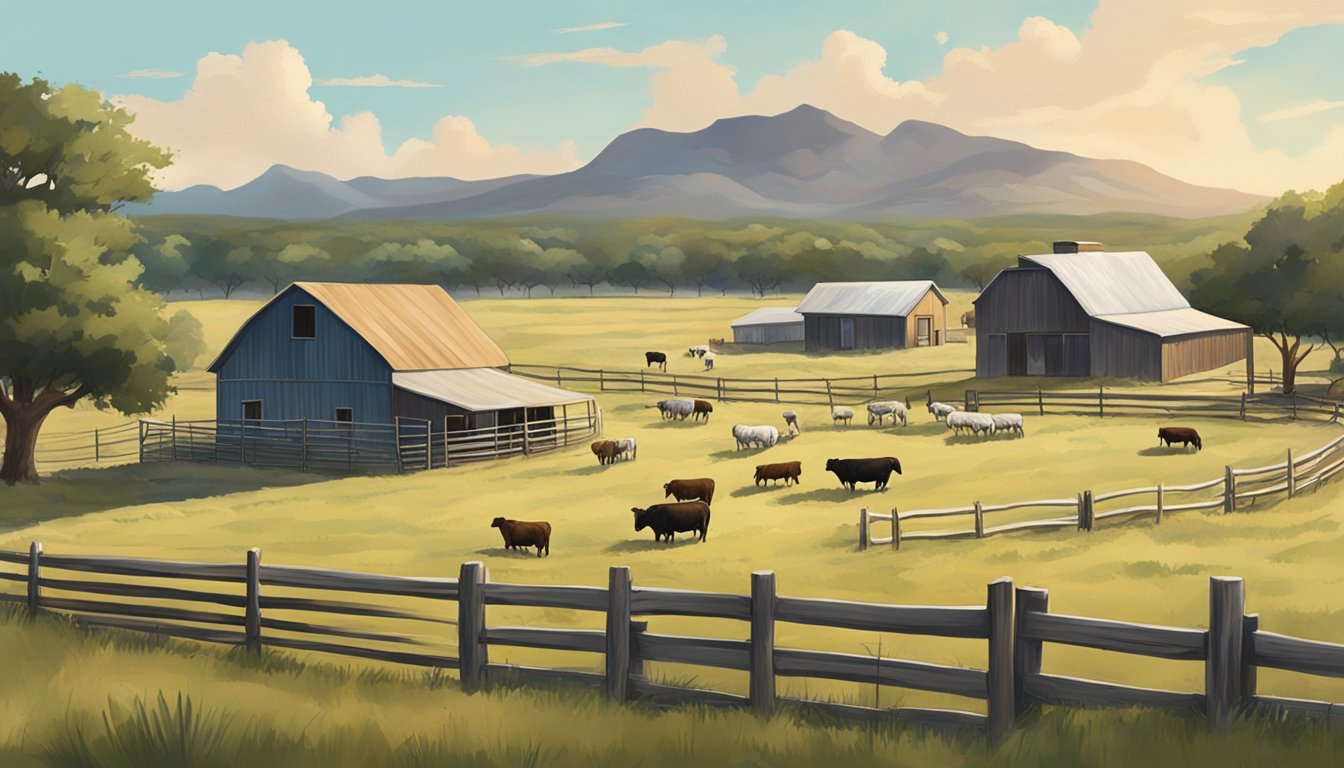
[788,471]
[655,358]
[791,421]
[709,357]
[667,520]
[878,410]
[1186,436]
[699,489]
[626,448]
[675,409]
[840,413]
[764,436]
[875,471]
[605,451]
[701,408]
[520,534]
[699,350]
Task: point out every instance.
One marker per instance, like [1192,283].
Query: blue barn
[373,354]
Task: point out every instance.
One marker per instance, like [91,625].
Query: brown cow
[702,408]
[605,451]
[1186,436]
[701,488]
[521,534]
[788,471]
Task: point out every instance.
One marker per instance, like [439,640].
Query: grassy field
[428,523]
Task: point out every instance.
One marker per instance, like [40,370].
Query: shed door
[923,331]
[846,333]
[1017,354]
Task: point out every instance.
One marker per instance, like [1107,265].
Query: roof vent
[1078,246]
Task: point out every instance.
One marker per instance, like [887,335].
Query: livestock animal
[521,534]
[699,350]
[700,489]
[878,411]
[853,471]
[676,409]
[716,341]
[709,357]
[940,410]
[1186,436]
[791,421]
[788,471]
[655,358]
[626,448]
[976,422]
[839,413]
[1008,422]
[701,408]
[748,437]
[667,520]
[605,451]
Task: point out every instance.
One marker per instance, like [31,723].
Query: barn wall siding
[305,399]
[991,354]
[1125,353]
[1028,301]
[1185,355]
[933,307]
[822,332]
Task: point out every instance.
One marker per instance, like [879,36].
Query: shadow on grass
[675,424]
[500,551]
[733,453]
[755,490]
[967,439]
[73,492]
[826,494]
[591,469]
[649,545]
[1162,450]
[923,429]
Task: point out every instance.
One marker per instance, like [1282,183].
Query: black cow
[852,471]
[667,520]
[655,358]
[1183,435]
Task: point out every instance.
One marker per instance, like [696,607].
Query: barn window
[251,410]
[345,414]
[305,321]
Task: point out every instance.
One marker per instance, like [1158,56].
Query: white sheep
[976,422]
[626,448]
[840,413]
[878,410]
[791,421]
[1008,422]
[764,436]
[940,410]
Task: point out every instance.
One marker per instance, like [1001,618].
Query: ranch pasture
[428,523]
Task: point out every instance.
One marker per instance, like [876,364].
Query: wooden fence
[338,446]
[262,597]
[848,390]
[1102,402]
[1289,477]
[108,445]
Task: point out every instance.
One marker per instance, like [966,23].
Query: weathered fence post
[1089,511]
[1223,667]
[303,450]
[252,609]
[97,452]
[396,438]
[140,439]
[1160,493]
[1040,399]
[1101,402]
[675,393]
[1294,405]
[471,652]
[618,632]
[979,521]
[601,381]
[1026,652]
[762,683]
[874,386]
[1243,406]
[1229,489]
[863,529]
[34,577]
[895,528]
[1000,676]
[1292,476]
[1250,624]
[174,446]
[830,399]
[776,389]
[641,380]
[1334,419]
[558,384]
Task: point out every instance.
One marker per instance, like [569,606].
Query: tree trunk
[21,430]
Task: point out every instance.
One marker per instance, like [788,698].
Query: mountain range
[805,163]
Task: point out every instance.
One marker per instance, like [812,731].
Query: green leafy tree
[980,272]
[74,325]
[631,273]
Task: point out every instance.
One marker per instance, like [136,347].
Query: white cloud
[376,81]
[598,27]
[246,113]
[941,38]
[150,74]
[1301,110]
[1130,86]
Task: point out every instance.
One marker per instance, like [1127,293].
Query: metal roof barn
[891,314]
[768,325]
[896,297]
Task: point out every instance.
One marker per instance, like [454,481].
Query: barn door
[923,331]
[846,333]
[1017,354]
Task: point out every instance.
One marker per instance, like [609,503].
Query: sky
[1232,93]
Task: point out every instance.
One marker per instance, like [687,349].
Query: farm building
[1083,311]
[877,315]
[768,325]
[374,354]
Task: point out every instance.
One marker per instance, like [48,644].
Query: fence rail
[1236,487]
[1014,626]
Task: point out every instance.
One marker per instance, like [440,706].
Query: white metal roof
[1173,322]
[483,389]
[770,316]
[894,297]
[1106,283]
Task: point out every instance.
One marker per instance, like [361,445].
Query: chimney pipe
[1078,246]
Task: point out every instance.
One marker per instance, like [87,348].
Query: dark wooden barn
[1085,312]
[874,315]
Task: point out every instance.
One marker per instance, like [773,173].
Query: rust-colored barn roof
[413,327]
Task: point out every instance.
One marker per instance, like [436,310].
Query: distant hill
[806,163]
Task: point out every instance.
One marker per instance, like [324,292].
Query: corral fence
[310,445]
[106,445]
[1294,475]
[845,390]
[250,605]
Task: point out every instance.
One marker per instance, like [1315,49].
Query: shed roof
[892,297]
[1173,322]
[1106,283]
[483,389]
[413,327]
[770,316]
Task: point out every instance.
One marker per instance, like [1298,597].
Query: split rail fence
[107,445]
[250,605]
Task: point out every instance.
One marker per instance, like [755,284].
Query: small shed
[1083,311]
[768,325]
[874,315]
